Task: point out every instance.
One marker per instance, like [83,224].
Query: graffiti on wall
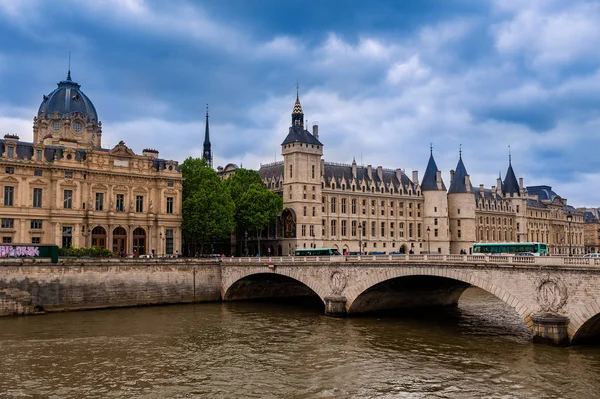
[9,251]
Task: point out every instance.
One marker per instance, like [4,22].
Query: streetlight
[246,242]
[570,219]
[428,248]
[359,238]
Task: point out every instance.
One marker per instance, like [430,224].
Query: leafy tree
[255,204]
[207,208]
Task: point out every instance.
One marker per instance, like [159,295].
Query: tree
[207,207]
[255,205]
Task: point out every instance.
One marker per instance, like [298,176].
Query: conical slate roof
[458,182]
[510,184]
[429,179]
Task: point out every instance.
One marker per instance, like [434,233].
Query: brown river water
[288,350]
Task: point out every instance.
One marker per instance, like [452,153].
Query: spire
[510,185]
[458,184]
[297,113]
[430,177]
[69,73]
[207,153]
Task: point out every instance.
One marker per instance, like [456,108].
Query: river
[288,350]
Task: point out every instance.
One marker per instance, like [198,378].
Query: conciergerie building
[374,209]
[63,188]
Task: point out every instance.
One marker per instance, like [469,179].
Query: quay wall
[27,287]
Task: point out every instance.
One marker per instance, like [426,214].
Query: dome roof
[66,100]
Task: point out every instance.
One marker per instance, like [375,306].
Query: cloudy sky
[383,79]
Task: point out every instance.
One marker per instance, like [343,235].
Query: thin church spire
[207,152]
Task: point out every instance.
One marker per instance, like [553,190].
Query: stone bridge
[557,298]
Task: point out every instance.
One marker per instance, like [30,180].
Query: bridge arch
[353,294]
[236,286]
[586,327]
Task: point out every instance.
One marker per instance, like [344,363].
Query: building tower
[207,152]
[67,114]
[515,193]
[301,216]
[461,210]
[435,214]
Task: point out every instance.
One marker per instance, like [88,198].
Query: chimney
[380,173]
[493,189]
[468,183]
[399,175]
[322,167]
[370,172]
[415,178]
[438,179]
[499,184]
[150,152]
[451,175]
[354,169]
[316,130]
[481,189]
[521,183]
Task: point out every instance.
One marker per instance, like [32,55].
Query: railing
[435,258]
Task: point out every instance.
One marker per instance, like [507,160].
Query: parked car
[524,254]
[591,255]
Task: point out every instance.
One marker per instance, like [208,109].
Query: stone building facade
[369,209]
[65,189]
[592,229]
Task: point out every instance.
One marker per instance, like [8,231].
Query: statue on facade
[150,207]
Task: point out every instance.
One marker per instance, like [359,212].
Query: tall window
[139,203]
[343,205]
[304,211]
[38,155]
[99,201]
[169,241]
[354,206]
[392,229]
[67,236]
[312,230]
[410,230]
[37,197]
[418,230]
[353,228]
[9,195]
[169,204]
[8,223]
[373,229]
[313,171]
[333,205]
[120,205]
[343,228]
[36,224]
[10,152]
[68,199]
[383,229]
[333,228]
[291,171]
[303,230]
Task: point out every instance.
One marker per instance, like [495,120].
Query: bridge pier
[550,329]
[335,306]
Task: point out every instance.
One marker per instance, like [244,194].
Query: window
[354,207]
[343,228]
[435,222]
[120,205]
[333,205]
[68,175]
[383,229]
[392,229]
[458,211]
[36,223]
[313,211]
[169,204]
[6,240]
[291,171]
[8,223]
[458,222]
[312,230]
[459,235]
[9,195]
[37,172]
[435,232]
[419,230]
[169,184]
[35,240]
[37,197]
[10,152]
[304,210]
[169,238]
[68,199]
[99,201]
[38,155]
[313,171]
[303,230]
[343,205]
[373,229]
[353,228]
[9,170]
[410,230]
[139,203]
[67,236]
[333,227]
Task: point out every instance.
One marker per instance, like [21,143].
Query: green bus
[498,248]
[318,252]
[29,251]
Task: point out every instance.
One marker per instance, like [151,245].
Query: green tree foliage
[207,205]
[255,204]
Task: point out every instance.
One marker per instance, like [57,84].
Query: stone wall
[78,285]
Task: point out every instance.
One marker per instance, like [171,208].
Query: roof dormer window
[56,126]
[77,127]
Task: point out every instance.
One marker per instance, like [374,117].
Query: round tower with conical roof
[435,214]
[461,210]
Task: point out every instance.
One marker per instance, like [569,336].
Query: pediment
[120,188]
[99,187]
[140,190]
[38,182]
[10,179]
[121,150]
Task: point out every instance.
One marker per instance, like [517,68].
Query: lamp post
[569,220]
[359,238]
[428,248]
[246,242]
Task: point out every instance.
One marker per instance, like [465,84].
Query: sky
[384,80]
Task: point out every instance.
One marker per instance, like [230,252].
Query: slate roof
[336,172]
[429,178]
[66,100]
[510,184]
[543,192]
[458,181]
[271,171]
[488,194]
[533,203]
[298,134]
[588,217]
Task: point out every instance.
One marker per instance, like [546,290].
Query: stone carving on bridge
[551,293]
[337,281]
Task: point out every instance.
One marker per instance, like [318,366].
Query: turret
[435,214]
[461,210]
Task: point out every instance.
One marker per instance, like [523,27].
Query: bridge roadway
[558,298]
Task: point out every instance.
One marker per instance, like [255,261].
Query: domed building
[64,188]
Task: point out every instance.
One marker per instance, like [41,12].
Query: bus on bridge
[503,248]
